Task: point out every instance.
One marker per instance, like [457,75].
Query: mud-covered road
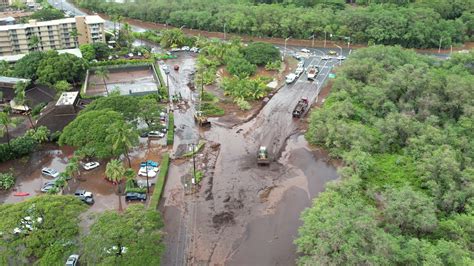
[244,214]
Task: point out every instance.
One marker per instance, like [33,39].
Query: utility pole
[439,48]
[325,39]
[224,30]
[312,43]
[284,53]
[147,185]
[340,58]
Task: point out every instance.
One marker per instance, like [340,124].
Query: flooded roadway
[246,214]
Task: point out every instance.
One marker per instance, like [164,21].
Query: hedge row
[160,183]
[170,136]
[160,76]
[122,62]
[18,147]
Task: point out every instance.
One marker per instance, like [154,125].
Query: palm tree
[5,123]
[74,35]
[33,42]
[123,137]
[115,172]
[73,167]
[103,72]
[20,99]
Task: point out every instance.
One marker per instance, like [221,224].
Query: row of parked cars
[55,174]
[186,48]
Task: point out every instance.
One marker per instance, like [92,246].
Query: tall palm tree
[115,173]
[33,42]
[123,137]
[73,167]
[20,99]
[5,123]
[75,34]
[103,72]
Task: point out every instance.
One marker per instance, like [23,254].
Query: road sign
[331,75]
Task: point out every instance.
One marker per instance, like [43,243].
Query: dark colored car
[135,196]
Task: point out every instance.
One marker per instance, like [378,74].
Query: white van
[290,78]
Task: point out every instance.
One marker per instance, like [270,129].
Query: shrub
[18,147]
[275,65]
[160,183]
[260,53]
[7,181]
[122,62]
[243,104]
[240,67]
[170,134]
[37,109]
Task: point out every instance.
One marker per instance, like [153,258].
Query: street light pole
[340,54]
[312,43]
[348,42]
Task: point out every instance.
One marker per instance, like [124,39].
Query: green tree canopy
[261,53]
[89,131]
[126,105]
[28,65]
[52,68]
[135,235]
[54,230]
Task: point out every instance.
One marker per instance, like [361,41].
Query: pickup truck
[300,107]
[262,156]
[312,72]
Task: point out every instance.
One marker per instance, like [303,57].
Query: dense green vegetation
[22,145]
[53,235]
[403,124]
[160,183]
[48,68]
[129,238]
[418,24]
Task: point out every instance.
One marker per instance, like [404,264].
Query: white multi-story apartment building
[64,33]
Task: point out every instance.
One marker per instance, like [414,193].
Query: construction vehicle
[312,72]
[201,119]
[262,156]
[300,108]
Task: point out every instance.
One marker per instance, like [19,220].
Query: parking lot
[30,180]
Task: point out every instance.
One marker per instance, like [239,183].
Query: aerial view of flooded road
[242,213]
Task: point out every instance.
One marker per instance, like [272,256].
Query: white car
[90,165]
[194,50]
[185,48]
[290,78]
[304,50]
[50,172]
[325,57]
[149,167]
[143,172]
[72,260]
[301,63]
[299,71]
[341,57]
[156,134]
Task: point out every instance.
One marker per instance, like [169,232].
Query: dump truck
[300,107]
[201,119]
[262,156]
[312,72]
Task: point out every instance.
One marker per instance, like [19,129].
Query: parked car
[149,163]
[185,48]
[194,49]
[143,172]
[50,172]
[47,187]
[156,134]
[85,196]
[135,196]
[325,57]
[299,71]
[90,165]
[341,57]
[332,52]
[301,63]
[304,50]
[72,260]
[290,78]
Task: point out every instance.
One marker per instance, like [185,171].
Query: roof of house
[16,57]
[94,19]
[12,80]
[67,98]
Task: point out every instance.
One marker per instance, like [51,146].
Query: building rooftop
[12,80]
[94,19]
[16,57]
[33,23]
[67,98]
